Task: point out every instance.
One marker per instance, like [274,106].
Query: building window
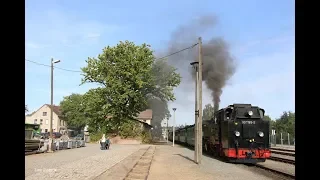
[35,121]
[44,114]
[41,121]
[46,130]
[47,121]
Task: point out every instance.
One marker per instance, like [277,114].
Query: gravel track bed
[177,163]
[78,164]
[283,156]
[284,147]
[286,153]
[121,169]
[279,166]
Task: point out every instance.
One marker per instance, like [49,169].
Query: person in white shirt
[103,143]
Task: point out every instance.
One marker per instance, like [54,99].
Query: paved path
[76,164]
[176,163]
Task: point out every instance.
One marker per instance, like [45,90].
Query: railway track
[285,160]
[282,152]
[281,149]
[275,171]
[141,169]
[285,152]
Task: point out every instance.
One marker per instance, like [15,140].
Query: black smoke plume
[218,65]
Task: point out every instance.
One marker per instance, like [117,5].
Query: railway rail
[282,149]
[285,160]
[286,153]
[141,169]
[275,171]
[263,167]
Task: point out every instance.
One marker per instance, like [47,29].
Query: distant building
[144,117]
[42,117]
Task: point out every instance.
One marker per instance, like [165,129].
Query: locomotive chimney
[215,109]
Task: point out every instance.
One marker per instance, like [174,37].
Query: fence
[282,138]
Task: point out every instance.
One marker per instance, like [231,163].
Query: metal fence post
[270,139]
[281,140]
[288,139]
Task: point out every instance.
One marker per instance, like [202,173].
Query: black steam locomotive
[238,133]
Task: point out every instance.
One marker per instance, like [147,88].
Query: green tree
[286,123]
[125,73]
[208,112]
[94,104]
[129,78]
[272,122]
[26,109]
[72,108]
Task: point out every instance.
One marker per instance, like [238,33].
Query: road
[81,163]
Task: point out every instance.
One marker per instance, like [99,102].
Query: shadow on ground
[186,157]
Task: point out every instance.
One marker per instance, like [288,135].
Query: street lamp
[167,130]
[174,119]
[196,128]
[51,114]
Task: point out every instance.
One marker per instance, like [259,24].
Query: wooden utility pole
[51,109]
[200,100]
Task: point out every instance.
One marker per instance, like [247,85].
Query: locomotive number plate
[248,122]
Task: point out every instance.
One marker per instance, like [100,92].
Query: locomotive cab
[243,133]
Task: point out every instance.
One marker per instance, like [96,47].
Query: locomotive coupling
[249,154]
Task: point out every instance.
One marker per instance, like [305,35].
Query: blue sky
[260,35]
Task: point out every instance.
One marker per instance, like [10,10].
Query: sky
[261,36]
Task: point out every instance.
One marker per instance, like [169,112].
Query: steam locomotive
[238,133]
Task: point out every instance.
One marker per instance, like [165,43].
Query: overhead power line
[40,64]
[190,47]
[50,66]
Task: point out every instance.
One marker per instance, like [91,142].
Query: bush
[146,137]
[130,129]
[94,137]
